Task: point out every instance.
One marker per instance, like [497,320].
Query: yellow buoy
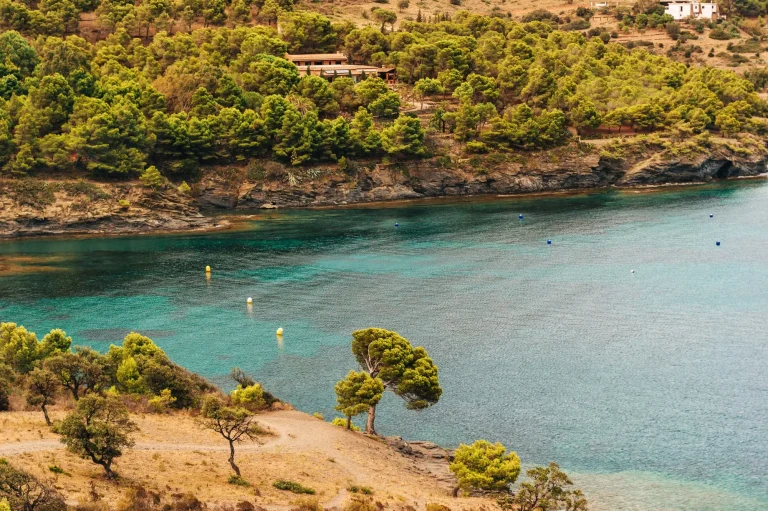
[207,269]
[249,300]
[280,331]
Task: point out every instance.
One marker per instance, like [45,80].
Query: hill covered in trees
[170,91]
[117,107]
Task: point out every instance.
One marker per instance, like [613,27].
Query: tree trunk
[108,470]
[349,422]
[45,412]
[232,458]
[455,492]
[369,426]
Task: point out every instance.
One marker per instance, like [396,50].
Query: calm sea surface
[650,388]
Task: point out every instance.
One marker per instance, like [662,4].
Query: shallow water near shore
[650,387]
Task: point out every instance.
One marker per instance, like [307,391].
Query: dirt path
[174,454]
[17,448]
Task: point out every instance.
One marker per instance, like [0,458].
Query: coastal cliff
[492,174]
[35,207]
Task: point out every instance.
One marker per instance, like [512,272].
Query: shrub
[577,24]
[32,192]
[81,187]
[359,503]
[540,15]
[476,147]
[307,504]
[22,491]
[293,486]
[124,204]
[57,469]
[341,422]
[365,490]
[184,188]
[152,178]
[318,415]
[432,506]
[237,480]
[161,403]
[250,397]
[485,466]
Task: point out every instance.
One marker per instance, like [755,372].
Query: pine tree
[356,393]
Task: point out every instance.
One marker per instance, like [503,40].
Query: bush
[152,178]
[237,481]
[359,503]
[485,466]
[32,192]
[540,15]
[476,147]
[577,24]
[307,504]
[342,422]
[293,486]
[722,33]
[365,490]
[250,397]
[161,403]
[432,506]
[56,469]
[318,415]
[184,188]
[24,492]
[124,204]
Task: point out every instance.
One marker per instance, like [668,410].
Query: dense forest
[167,89]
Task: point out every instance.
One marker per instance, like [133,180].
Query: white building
[681,10]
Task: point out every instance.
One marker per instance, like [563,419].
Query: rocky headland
[31,206]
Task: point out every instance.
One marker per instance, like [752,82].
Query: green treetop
[403,369]
[357,393]
[485,466]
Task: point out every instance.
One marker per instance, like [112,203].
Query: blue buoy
[397,225]
[549,242]
[520,217]
[717,243]
[711,215]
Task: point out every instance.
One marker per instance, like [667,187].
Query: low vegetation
[293,487]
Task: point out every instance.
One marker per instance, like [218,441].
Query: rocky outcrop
[427,457]
[32,208]
[421,179]
[35,207]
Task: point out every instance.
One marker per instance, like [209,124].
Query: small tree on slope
[99,429]
[356,393]
[234,424]
[403,369]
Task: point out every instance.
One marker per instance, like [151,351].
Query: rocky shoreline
[430,179]
[89,208]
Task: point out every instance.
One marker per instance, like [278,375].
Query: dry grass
[173,455]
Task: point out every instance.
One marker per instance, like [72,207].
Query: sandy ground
[173,454]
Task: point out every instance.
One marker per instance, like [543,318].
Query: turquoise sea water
[650,388]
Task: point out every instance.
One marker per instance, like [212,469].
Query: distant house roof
[346,69]
[316,56]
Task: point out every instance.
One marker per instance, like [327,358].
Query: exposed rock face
[419,179]
[68,207]
[62,210]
